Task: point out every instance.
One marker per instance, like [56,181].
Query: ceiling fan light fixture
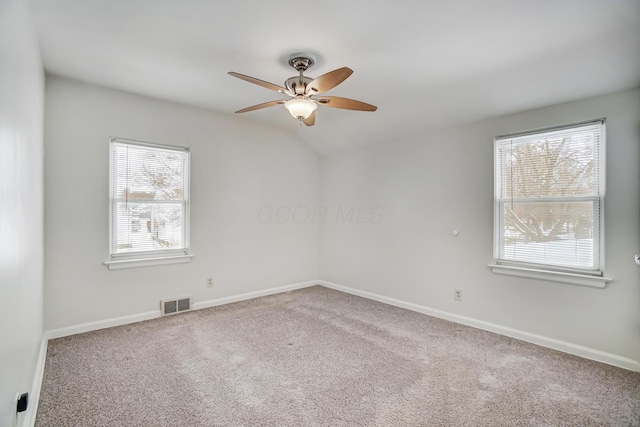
[300,108]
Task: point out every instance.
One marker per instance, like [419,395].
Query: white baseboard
[101,324]
[34,397]
[125,320]
[256,294]
[567,347]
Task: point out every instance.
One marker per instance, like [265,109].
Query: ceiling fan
[303,89]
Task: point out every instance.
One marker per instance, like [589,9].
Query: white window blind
[549,199]
[149,200]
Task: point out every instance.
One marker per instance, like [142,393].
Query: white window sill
[148,262]
[552,276]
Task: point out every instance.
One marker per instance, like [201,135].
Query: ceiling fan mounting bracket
[302,61]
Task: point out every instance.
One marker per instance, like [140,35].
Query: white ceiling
[425,64]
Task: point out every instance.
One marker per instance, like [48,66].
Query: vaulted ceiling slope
[425,64]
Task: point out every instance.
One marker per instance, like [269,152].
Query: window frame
[593,277]
[154,257]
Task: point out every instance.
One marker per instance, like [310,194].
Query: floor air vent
[173,306]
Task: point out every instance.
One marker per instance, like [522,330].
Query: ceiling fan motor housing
[297,84]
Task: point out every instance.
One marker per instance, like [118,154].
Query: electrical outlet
[21,403]
[209,282]
[457,294]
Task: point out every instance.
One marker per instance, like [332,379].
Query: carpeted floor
[318,357]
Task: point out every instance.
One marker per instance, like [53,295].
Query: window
[149,204]
[549,198]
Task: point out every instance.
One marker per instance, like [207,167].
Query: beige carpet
[318,357]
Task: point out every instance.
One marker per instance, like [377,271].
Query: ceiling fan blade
[259,106]
[311,120]
[328,81]
[258,82]
[345,103]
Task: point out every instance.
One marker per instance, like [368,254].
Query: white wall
[238,167]
[21,204]
[437,182]
[391,210]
